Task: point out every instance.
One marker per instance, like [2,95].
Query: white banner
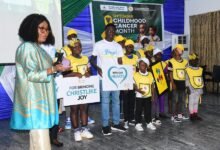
[80,90]
[119,77]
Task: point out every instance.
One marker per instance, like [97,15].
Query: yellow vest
[79,64]
[195,77]
[179,69]
[130,61]
[141,52]
[144,82]
[67,50]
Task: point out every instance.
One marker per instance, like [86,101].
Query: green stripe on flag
[1,69]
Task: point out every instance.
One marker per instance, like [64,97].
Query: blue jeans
[105,100]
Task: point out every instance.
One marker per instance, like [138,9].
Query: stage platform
[204,135]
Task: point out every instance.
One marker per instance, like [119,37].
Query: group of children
[184,80]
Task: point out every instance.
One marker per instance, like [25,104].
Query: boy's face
[77,49]
[142,66]
[129,49]
[110,33]
[151,31]
[158,56]
[141,29]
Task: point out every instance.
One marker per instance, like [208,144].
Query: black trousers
[55,128]
[128,104]
[143,104]
[54,132]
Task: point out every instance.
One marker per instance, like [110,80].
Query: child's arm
[187,84]
[152,92]
[138,90]
[73,74]
[88,73]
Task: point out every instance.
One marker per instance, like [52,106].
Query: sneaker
[118,127]
[175,119]
[151,126]
[185,117]
[90,121]
[156,121]
[77,136]
[106,130]
[68,124]
[180,116]
[132,122]
[126,125]
[139,127]
[86,134]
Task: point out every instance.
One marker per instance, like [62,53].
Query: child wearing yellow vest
[80,68]
[71,36]
[194,85]
[144,91]
[128,96]
[176,67]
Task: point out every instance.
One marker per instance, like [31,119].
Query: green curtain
[150,1]
[71,8]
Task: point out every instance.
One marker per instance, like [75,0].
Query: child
[177,66]
[147,50]
[129,95]
[194,85]
[79,66]
[142,28]
[71,36]
[161,100]
[144,92]
[152,34]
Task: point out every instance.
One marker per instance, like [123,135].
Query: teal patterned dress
[35,105]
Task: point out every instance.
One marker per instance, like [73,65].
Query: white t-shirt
[107,52]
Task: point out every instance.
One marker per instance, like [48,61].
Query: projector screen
[12,12]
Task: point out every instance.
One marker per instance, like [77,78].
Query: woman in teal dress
[35,106]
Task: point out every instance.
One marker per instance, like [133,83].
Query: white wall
[194,7]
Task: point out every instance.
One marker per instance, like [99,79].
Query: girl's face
[141,29]
[77,49]
[129,49]
[43,32]
[142,66]
[151,31]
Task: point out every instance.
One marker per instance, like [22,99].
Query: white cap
[156,51]
[144,60]
[143,37]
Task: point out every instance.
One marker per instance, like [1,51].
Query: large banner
[80,90]
[128,18]
[118,77]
